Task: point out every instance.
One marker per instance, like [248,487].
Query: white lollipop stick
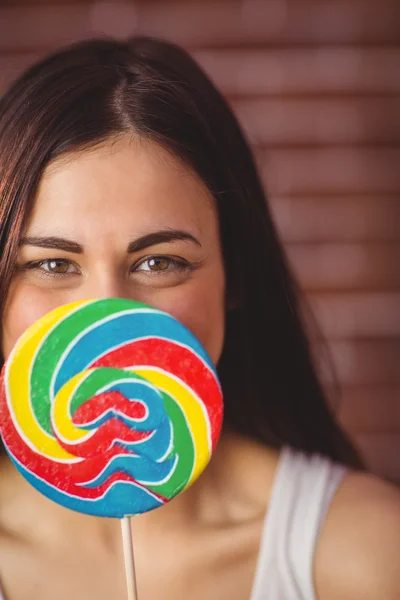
[129,559]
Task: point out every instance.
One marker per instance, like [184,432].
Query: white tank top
[302,491]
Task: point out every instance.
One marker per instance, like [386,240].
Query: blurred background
[316,86]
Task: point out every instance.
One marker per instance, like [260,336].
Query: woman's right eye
[53,267]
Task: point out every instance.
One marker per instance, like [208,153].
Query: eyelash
[177,265]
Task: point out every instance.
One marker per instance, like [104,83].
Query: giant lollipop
[109,407]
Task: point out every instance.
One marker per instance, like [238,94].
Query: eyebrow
[54,243]
[160,237]
[145,241]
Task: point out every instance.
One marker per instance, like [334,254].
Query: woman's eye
[159,264]
[57,266]
[54,266]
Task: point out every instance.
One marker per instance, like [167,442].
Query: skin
[104,200]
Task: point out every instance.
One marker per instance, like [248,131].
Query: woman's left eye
[160,264]
[53,267]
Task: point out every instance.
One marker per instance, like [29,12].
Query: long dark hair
[94,90]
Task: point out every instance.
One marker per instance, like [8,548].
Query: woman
[124,173]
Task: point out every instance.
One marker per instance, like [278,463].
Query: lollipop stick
[129,558]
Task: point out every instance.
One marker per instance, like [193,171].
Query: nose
[107,285]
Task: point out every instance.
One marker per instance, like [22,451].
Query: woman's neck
[235,488]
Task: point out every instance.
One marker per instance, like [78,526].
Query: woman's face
[122,220]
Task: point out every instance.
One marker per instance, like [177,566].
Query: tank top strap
[303,489]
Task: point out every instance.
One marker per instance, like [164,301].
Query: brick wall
[316,85]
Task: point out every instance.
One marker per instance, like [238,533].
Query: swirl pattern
[110,407]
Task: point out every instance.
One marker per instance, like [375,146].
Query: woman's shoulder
[358,552]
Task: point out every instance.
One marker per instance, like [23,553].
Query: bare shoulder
[358,552]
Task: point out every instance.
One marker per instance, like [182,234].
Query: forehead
[126,180]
